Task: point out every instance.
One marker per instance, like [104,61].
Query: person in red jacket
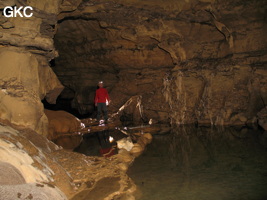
[101,101]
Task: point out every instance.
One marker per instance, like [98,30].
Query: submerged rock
[137,149]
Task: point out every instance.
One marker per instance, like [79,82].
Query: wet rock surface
[38,165]
[103,188]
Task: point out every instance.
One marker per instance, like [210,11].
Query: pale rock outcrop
[24,82]
[26,78]
[32,167]
[24,155]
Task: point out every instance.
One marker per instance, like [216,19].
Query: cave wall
[90,52]
[224,81]
[26,47]
[192,61]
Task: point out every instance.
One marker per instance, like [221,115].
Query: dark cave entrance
[80,65]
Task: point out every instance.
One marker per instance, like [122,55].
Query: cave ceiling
[114,35]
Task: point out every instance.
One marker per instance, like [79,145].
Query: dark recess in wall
[65,104]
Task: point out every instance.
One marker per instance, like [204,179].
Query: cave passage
[203,163]
[191,65]
[81,64]
[164,64]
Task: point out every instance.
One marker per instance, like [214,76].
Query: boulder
[149,137]
[64,128]
[137,150]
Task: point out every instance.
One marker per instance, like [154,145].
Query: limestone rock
[19,82]
[125,156]
[125,143]
[137,150]
[24,82]
[6,3]
[10,175]
[50,86]
[31,191]
[227,96]
[48,6]
[64,128]
[27,165]
[148,136]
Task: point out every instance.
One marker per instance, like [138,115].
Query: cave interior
[192,63]
[174,62]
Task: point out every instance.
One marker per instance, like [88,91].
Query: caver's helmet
[100,82]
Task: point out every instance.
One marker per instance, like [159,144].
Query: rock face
[24,81]
[192,62]
[226,95]
[26,46]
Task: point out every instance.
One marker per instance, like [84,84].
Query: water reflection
[204,163]
[97,144]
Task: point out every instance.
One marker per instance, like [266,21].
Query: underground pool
[204,163]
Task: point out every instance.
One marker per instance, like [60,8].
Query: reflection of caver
[106,148]
[101,101]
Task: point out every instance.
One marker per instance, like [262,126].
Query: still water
[203,164]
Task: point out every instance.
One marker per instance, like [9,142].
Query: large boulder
[64,128]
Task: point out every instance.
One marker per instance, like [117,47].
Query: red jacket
[101,95]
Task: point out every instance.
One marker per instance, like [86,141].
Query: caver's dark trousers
[102,107]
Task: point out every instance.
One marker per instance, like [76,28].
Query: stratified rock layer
[26,46]
[192,62]
[24,82]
